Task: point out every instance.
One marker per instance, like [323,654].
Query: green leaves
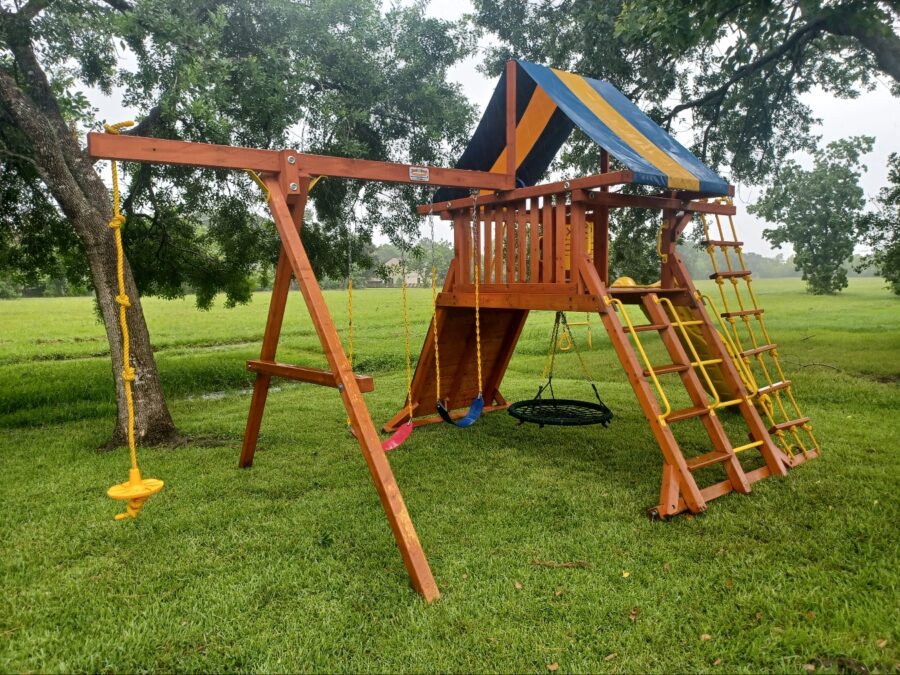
[341,77]
[880,229]
[819,212]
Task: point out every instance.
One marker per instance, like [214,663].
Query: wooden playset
[521,247]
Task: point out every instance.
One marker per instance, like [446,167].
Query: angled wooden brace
[287,220]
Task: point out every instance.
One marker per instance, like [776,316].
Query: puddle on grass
[225,393]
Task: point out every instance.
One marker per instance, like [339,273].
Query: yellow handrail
[637,341]
[743,369]
[697,361]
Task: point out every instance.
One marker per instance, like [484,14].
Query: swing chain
[477,289]
[409,405]
[562,322]
[434,327]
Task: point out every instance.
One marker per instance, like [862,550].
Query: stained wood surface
[208,155]
[318,376]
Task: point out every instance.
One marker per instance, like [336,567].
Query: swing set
[520,246]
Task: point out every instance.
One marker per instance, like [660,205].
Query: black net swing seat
[561,412]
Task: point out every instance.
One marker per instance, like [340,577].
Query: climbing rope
[136,490]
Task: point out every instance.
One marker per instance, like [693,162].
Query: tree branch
[149,124]
[118,5]
[795,41]
[32,9]
[877,38]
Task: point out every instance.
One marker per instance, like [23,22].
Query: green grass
[290,566]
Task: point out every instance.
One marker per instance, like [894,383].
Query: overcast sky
[874,113]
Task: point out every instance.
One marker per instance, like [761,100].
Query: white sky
[874,113]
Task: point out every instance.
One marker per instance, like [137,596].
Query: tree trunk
[70,176]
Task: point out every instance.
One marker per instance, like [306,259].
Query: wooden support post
[360,421]
[511,121]
[280,288]
[673,224]
[577,236]
[601,228]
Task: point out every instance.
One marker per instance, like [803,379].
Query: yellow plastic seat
[136,491]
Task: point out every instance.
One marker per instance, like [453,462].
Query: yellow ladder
[754,351]
[680,490]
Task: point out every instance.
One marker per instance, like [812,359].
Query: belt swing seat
[400,436]
[477,406]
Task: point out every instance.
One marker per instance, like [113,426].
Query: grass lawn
[290,566]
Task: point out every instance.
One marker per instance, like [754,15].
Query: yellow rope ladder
[771,397]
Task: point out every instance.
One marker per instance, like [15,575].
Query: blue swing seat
[470,418]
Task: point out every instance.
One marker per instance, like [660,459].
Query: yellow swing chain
[434,327]
[477,298]
[136,490]
[409,404]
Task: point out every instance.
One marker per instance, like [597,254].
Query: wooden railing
[530,242]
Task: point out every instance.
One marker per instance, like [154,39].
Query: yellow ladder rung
[692,322]
[754,444]
[725,404]
[707,362]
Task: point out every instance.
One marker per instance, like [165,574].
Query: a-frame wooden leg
[360,420]
[280,289]
[669,494]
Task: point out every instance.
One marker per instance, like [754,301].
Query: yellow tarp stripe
[679,178]
[529,129]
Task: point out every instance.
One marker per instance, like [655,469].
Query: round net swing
[563,412]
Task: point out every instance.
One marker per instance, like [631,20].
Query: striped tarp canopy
[549,104]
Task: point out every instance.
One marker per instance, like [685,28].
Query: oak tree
[818,212]
[339,77]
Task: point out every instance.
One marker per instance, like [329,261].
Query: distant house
[413,278]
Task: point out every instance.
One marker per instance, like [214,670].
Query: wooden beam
[511,158]
[162,151]
[523,299]
[619,200]
[601,228]
[207,155]
[366,169]
[318,376]
[587,182]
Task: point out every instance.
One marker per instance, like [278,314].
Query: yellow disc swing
[136,490]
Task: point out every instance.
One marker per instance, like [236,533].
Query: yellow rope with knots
[136,490]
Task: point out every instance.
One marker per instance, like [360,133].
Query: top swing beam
[287,175]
